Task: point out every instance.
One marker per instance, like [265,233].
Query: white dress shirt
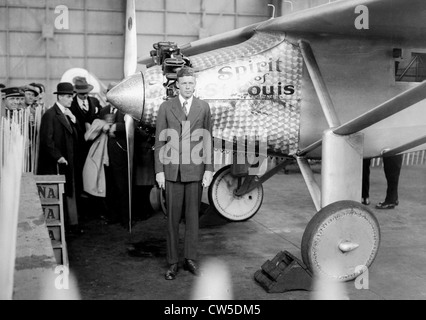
[188,106]
[84,104]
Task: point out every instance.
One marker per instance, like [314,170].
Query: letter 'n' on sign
[48,191]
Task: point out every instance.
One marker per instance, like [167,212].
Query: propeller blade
[387,109]
[131,48]
[130,137]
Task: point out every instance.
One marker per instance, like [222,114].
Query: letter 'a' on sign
[362,21]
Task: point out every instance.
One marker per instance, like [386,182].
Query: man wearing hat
[31,94]
[13,98]
[59,149]
[86,109]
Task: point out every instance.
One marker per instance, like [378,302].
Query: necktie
[184,108]
[85,107]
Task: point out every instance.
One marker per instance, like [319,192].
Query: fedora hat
[81,85]
[64,88]
[13,92]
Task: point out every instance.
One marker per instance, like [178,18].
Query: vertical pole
[86,42]
[47,45]
[8,60]
[341,172]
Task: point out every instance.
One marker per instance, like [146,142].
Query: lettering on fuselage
[263,69]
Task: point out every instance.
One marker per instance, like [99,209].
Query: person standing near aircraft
[59,150]
[12,101]
[392,167]
[117,189]
[31,94]
[366,181]
[182,175]
[86,110]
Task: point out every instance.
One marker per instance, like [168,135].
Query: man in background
[86,110]
[117,188]
[59,150]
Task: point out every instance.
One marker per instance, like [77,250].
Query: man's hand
[161,180]
[112,130]
[63,161]
[106,128]
[207,179]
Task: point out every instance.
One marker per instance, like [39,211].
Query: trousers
[182,198]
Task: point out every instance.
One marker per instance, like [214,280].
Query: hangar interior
[42,39]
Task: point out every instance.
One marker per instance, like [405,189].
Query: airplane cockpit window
[411,69]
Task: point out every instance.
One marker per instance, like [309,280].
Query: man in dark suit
[117,189]
[86,109]
[58,148]
[182,168]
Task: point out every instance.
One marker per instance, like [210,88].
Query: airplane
[321,84]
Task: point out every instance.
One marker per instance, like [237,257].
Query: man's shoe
[385,205]
[365,201]
[191,266]
[172,272]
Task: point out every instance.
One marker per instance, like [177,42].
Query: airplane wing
[401,21]
[397,20]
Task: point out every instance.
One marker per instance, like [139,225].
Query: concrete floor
[111,264]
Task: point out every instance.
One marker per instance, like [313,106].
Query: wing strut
[319,84]
[405,147]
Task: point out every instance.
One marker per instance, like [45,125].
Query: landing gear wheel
[221,196]
[341,240]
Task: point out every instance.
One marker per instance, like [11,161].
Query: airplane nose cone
[129,96]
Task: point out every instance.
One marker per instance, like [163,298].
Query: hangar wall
[33,49]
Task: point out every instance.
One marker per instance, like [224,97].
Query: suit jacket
[178,155]
[82,119]
[89,116]
[58,138]
[120,132]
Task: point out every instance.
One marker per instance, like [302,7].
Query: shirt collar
[60,107]
[80,102]
[182,100]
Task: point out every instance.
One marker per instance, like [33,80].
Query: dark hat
[81,85]
[13,92]
[185,72]
[64,88]
[38,85]
[30,88]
